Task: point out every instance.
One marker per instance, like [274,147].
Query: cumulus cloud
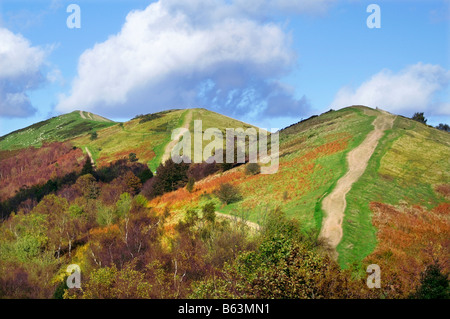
[196,53]
[20,65]
[418,87]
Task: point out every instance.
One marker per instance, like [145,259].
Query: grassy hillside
[312,159]
[410,162]
[148,135]
[408,166]
[58,128]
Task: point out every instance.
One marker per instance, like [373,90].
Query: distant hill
[59,128]
[148,135]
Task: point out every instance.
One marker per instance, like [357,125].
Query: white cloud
[416,88]
[20,65]
[165,56]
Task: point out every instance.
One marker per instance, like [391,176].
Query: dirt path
[90,156]
[334,204]
[171,145]
[82,115]
[250,224]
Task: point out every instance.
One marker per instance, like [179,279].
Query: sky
[270,63]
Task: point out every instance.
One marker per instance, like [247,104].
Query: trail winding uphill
[335,203]
[171,145]
[90,156]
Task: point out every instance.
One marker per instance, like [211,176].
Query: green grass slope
[58,128]
[313,158]
[148,135]
[411,160]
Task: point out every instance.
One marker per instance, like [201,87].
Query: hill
[409,168]
[149,135]
[358,184]
[59,128]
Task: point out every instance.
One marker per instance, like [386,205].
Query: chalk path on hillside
[174,142]
[90,156]
[335,203]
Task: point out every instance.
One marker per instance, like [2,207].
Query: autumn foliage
[409,239]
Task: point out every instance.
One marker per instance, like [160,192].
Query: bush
[443,127]
[419,117]
[94,136]
[190,184]
[87,185]
[434,284]
[209,212]
[145,175]
[132,157]
[228,193]
[169,177]
[252,169]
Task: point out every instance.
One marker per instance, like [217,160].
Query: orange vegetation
[409,239]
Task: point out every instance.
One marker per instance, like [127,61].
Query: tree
[145,175]
[94,136]
[419,117]
[87,185]
[252,169]
[433,284]
[87,167]
[134,183]
[228,193]
[443,127]
[209,212]
[190,184]
[169,177]
[132,157]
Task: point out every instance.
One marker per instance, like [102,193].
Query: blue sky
[270,63]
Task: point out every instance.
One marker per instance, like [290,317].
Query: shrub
[190,184]
[133,183]
[94,136]
[252,169]
[228,193]
[87,167]
[145,175]
[443,127]
[419,117]
[434,284]
[169,177]
[132,157]
[87,185]
[209,212]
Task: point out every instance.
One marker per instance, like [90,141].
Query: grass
[397,173]
[146,139]
[59,128]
